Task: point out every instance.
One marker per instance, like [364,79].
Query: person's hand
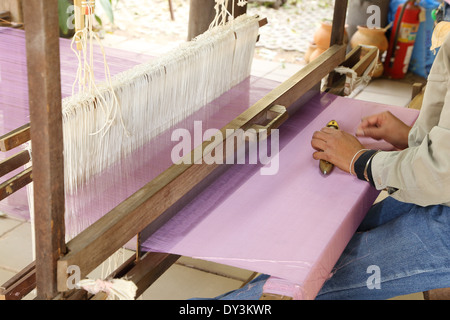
[385,126]
[337,147]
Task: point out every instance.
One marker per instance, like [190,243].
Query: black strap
[360,165]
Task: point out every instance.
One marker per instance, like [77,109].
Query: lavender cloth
[108,189]
[292,225]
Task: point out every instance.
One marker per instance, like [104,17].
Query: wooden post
[340,14]
[338,30]
[43,64]
[202,13]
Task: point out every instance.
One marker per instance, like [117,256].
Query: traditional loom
[146,211]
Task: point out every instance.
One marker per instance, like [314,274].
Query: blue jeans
[398,249]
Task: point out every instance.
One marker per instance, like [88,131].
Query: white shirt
[421,173]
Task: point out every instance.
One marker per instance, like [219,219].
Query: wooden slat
[262,22]
[437,294]
[148,205]
[365,61]
[339,16]
[44,88]
[14,162]
[20,285]
[336,80]
[15,138]
[15,183]
[5,15]
[292,89]
[149,269]
[143,272]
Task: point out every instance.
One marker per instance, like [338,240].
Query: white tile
[262,67]
[390,87]
[16,248]
[387,99]
[111,40]
[5,275]
[180,283]
[7,224]
[277,71]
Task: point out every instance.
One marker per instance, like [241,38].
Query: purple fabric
[109,188]
[292,225]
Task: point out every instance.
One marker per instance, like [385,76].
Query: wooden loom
[152,205]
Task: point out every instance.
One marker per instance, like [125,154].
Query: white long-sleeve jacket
[420,174]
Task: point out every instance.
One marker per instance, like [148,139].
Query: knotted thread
[116,289]
[352,81]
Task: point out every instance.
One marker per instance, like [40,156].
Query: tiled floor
[387,91]
[188,277]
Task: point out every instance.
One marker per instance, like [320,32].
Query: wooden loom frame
[154,203]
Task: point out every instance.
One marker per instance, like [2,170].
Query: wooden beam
[149,269]
[143,272]
[20,285]
[92,246]
[340,14]
[14,162]
[365,61]
[15,138]
[18,181]
[15,183]
[149,204]
[5,18]
[437,294]
[335,79]
[305,79]
[44,87]
[6,15]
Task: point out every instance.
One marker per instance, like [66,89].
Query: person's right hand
[385,126]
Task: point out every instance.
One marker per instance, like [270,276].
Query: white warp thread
[152,97]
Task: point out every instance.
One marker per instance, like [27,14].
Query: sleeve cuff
[362,167]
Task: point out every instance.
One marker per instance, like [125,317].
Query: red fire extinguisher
[402,39]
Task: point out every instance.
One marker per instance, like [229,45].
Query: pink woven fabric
[292,225]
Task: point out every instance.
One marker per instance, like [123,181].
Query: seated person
[407,235]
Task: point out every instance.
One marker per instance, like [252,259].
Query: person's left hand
[336,146]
